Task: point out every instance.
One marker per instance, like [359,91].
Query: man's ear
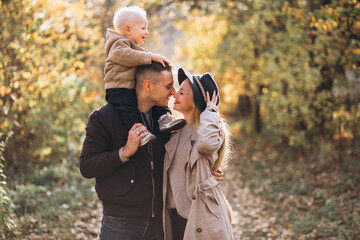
[147,85]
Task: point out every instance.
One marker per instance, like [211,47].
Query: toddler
[123,56]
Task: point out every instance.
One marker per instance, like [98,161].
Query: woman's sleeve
[210,136]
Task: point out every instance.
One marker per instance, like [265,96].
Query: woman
[194,206]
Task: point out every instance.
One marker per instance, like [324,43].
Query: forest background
[288,73]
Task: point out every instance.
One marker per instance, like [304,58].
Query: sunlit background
[288,74]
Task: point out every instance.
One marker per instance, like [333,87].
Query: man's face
[162,89]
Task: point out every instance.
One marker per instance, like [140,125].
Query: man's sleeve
[97,159]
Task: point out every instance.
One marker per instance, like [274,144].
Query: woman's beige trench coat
[208,215]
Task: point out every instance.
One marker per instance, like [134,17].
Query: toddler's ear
[126,30]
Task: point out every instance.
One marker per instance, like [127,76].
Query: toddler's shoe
[147,139]
[171,124]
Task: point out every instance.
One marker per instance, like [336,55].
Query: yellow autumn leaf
[4,91]
[79,64]
[27,75]
[46,151]
[230,4]
[324,26]
[16,84]
[356,51]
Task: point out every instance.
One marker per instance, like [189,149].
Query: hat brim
[199,100]
[197,96]
[183,74]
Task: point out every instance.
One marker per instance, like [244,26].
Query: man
[129,178]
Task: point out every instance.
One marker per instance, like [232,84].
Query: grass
[47,203]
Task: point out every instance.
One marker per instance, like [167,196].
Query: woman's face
[184,101]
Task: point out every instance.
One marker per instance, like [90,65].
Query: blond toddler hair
[124,16]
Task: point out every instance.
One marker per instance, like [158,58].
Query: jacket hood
[111,37]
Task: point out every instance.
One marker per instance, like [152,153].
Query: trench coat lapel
[173,144]
[170,147]
[193,155]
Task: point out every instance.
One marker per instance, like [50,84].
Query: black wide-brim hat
[207,83]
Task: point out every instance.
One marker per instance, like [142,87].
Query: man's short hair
[149,72]
[122,15]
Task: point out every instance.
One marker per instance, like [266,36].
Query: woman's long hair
[224,151]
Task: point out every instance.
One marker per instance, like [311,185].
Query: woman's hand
[219,175]
[213,100]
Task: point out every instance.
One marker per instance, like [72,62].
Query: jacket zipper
[153,188]
[152,172]
[150,156]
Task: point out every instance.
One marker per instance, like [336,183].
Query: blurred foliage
[49,83]
[7,228]
[48,80]
[298,61]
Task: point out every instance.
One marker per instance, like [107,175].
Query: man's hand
[219,175]
[159,58]
[136,133]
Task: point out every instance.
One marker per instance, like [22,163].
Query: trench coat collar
[172,144]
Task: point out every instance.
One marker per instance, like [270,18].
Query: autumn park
[288,73]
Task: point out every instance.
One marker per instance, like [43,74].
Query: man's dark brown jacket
[130,189]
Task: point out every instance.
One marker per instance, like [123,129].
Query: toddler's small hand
[159,58]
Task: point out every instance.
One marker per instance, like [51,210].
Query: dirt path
[250,220]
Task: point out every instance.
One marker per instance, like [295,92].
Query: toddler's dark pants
[125,101]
